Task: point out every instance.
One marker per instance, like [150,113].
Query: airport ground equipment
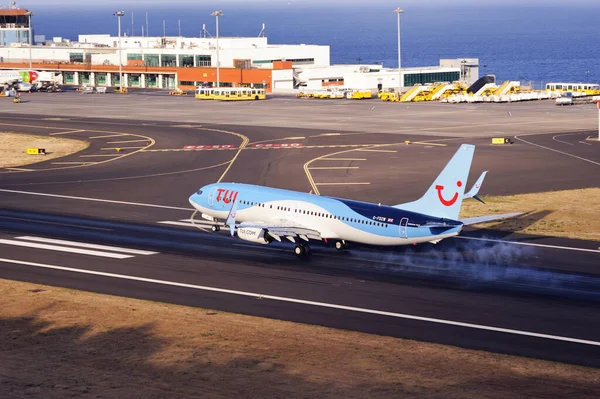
[565,98]
[578,89]
[178,92]
[358,94]
[239,94]
[36,151]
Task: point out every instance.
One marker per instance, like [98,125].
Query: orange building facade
[139,76]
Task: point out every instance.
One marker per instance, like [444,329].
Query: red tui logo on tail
[444,201]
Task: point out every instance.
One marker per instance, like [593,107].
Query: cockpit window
[199,192]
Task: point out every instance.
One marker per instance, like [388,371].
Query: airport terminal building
[184,62]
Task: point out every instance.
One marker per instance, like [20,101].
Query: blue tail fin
[444,197]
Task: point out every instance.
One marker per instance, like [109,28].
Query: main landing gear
[215,228]
[341,245]
[302,250]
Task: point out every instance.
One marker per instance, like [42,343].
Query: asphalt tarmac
[528,296]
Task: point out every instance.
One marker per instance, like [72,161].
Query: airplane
[263,214]
[19,80]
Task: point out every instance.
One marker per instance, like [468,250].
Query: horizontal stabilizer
[475,189]
[488,218]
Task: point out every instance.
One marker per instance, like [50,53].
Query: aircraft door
[211,197]
[404,228]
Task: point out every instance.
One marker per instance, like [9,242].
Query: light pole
[119,14]
[217,14]
[30,14]
[399,11]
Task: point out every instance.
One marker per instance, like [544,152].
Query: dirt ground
[57,343]
[13,147]
[570,213]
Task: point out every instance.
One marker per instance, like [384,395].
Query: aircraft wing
[287,230]
[488,218]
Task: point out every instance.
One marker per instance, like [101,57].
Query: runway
[121,226]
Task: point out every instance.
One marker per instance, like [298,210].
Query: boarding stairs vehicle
[508,87]
[440,89]
[486,90]
[412,93]
[418,93]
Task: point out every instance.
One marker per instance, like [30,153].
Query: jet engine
[254,234]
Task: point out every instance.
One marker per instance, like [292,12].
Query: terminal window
[152,60]
[411,79]
[186,61]
[203,60]
[76,57]
[168,60]
[137,57]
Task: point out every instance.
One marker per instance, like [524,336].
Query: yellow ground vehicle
[389,96]
[358,95]
[239,94]
[178,92]
[121,90]
[205,93]
[589,89]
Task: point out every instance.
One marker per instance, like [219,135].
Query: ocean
[538,43]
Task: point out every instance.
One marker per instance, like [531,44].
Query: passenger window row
[319,214]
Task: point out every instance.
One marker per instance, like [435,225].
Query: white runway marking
[560,141]
[560,152]
[529,244]
[64,249]
[309,303]
[97,200]
[86,245]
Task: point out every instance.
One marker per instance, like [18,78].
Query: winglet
[475,189]
[231,217]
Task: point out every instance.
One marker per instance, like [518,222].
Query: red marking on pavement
[208,147]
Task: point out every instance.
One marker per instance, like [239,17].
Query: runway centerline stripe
[64,249]
[98,200]
[86,245]
[309,303]
[529,244]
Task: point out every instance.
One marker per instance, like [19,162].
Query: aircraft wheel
[306,249]
[300,250]
[341,245]
[215,228]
